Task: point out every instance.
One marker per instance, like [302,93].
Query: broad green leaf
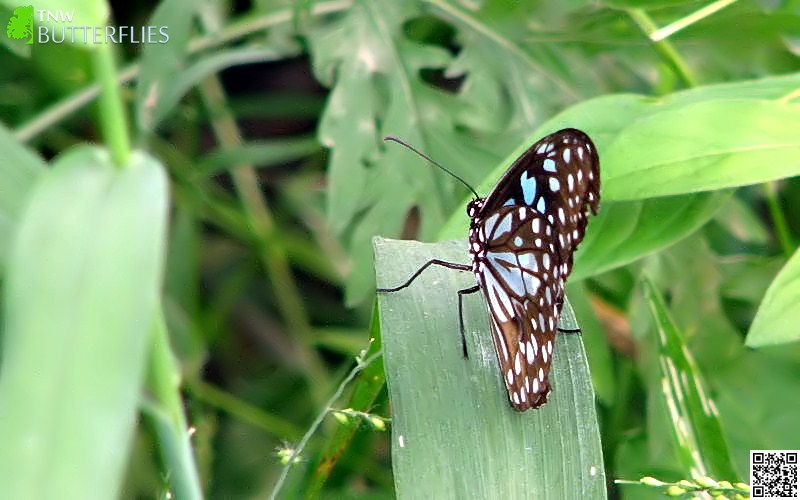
[778,317]
[81,293]
[607,117]
[376,91]
[624,232]
[702,147]
[454,434]
[20,168]
[696,430]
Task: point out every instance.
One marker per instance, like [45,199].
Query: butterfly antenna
[429,159]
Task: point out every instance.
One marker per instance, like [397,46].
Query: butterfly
[522,238]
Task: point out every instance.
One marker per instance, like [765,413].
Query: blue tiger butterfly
[522,237]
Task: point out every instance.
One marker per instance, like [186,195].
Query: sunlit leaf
[81,294]
[778,317]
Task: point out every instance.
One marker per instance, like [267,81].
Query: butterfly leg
[461,294]
[437,262]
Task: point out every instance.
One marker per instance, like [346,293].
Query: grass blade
[699,442]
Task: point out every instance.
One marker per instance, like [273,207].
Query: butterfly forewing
[522,238]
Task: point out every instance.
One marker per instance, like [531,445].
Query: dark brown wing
[559,176]
[520,278]
[522,240]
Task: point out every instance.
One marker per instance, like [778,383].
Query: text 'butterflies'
[522,237]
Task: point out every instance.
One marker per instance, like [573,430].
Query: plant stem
[664,47]
[270,251]
[290,459]
[113,122]
[244,411]
[163,383]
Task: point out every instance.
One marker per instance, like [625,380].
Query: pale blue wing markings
[504,264]
[549,165]
[501,227]
[527,261]
[509,202]
[532,283]
[540,205]
[528,185]
[490,223]
[508,258]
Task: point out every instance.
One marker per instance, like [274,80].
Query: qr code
[773,473]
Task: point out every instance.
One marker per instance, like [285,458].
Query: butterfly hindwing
[519,279]
[522,236]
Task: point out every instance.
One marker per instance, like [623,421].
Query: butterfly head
[474,208]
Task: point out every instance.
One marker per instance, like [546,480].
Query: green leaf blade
[703,146]
[454,434]
[698,438]
[81,293]
[778,315]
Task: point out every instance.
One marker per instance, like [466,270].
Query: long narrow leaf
[454,434]
[81,292]
[699,442]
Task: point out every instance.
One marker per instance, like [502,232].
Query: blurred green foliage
[268,117]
